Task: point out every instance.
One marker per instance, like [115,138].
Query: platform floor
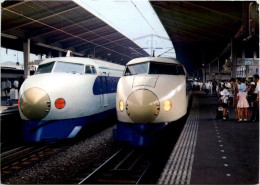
[213,151]
[8,106]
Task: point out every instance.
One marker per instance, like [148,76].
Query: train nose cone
[142,106]
[35,103]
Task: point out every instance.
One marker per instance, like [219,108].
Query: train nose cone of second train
[142,106]
[35,103]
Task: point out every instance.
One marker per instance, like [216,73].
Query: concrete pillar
[49,53]
[60,53]
[218,70]
[26,57]
[204,75]
[209,73]
[233,58]
[39,56]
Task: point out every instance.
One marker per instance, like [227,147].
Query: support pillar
[204,75]
[26,57]
[60,53]
[39,56]
[49,53]
[209,73]
[218,71]
[233,58]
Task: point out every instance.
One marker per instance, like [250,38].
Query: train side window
[88,70]
[94,71]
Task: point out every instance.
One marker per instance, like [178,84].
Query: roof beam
[43,18]
[193,27]
[211,10]
[34,34]
[174,13]
[62,31]
[192,35]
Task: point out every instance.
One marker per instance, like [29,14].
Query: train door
[104,93]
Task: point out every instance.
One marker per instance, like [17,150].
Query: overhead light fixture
[8,36]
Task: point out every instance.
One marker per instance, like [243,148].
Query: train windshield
[166,68]
[136,69]
[66,67]
[45,68]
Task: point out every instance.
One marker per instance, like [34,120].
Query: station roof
[61,26]
[202,30]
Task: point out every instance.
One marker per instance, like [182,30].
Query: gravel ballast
[66,162]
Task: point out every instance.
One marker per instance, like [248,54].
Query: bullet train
[152,93]
[64,95]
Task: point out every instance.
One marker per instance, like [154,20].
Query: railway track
[21,156]
[127,166]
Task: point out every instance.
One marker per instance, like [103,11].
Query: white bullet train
[64,95]
[152,93]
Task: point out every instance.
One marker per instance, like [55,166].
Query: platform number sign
[249,62]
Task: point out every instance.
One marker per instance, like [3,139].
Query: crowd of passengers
[240,94]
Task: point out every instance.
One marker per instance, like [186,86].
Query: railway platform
[213,151]
[8,106]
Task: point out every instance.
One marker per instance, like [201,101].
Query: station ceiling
[200,30]
[63,25]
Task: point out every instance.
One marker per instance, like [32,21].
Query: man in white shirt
[207,86]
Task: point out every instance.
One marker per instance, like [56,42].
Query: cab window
[163,68]
[66,67]
[136,69]
[45,68]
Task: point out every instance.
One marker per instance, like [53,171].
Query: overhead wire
[148,22]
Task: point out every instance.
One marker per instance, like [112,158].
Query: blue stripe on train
[37,131]
[105,85]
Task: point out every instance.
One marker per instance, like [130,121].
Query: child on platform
[242,103]
[224,99]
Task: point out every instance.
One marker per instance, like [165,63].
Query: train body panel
[67,93]
[152,93]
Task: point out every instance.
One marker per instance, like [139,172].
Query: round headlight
[167,105]
[121,105]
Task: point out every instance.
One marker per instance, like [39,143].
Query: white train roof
[85,61]
[154,59]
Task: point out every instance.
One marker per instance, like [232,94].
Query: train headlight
[121,105]
[167,105]
[60,103]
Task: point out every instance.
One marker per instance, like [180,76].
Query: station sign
[248,61]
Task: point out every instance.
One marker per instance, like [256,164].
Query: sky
[135,19]
[9,55]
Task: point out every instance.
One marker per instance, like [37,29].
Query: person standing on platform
[207,87]
[16,84]
[255,111]
[242,103]
[234,90]
[8,86]
[3,84]
[224,99]
[214,87]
